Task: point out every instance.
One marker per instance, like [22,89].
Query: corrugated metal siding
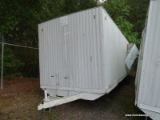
[149,80]
[72,51]
[115,47]
[139,67]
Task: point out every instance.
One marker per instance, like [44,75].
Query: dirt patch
[20,98]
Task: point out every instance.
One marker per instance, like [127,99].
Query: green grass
[51,116]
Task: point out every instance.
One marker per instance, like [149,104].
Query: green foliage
[17,18]
[129,15]
[31,60]
[138,14]
[11,64]
[127,27]
[117,8]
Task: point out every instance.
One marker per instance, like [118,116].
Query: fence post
[2,55]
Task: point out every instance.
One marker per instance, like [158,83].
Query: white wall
[148,73]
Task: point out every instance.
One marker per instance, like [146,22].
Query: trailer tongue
[54,101]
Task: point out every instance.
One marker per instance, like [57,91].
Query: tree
[11,64]
[138,14]
[123,13]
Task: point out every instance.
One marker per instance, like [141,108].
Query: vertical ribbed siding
[83,53]
[148,79]
[84,75]
[115,46]
[72,51]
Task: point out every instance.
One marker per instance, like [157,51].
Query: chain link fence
[19,58]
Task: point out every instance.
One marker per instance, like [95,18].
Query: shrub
[11,65]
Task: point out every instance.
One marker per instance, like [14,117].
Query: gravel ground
[20,97]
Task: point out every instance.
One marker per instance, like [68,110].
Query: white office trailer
[148,72]
[82,56]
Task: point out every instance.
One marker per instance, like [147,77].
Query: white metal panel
[83,51]
[152,114]
[73,48]
[115,52]
[148,79]
[132,55]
